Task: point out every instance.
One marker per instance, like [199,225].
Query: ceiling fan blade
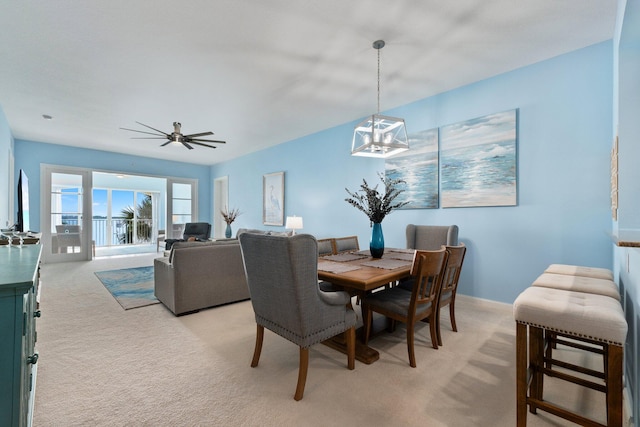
[142,131]
[203,145]
[157,130]
[166,143]
[207,140]
[187,145]
[148,137]
[198,134]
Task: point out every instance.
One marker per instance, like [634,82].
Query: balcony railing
[122,231]
[119,231]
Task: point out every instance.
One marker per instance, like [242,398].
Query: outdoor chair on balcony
[162,235]
[67,238]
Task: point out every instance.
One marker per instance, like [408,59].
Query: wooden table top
[360,272]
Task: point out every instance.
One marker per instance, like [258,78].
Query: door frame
[169,206]
[85,253]
[220,201]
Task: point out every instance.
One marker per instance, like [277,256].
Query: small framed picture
[273,198]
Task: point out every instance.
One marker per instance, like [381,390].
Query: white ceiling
[258,72]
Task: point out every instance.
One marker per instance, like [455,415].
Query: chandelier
[379,136]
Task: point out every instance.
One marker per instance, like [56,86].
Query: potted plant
[229,216]
[376,206]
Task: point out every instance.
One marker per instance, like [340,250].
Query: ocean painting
[418,167]
[478,161]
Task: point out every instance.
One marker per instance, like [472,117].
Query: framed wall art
[273,198]
[478,161]
[418,168]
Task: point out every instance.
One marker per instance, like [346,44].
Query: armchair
[282,274]
[198,230]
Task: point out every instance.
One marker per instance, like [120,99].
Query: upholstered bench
[589,285]
[576,270]
[584,316]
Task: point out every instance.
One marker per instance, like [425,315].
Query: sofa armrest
[164,282]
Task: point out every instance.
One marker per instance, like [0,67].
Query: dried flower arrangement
[230,215]
[373,203]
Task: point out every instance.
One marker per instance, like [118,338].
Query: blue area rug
[131,287]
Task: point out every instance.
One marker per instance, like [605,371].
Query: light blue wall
[29,155]
[563,216]
[627,124]
[565,128]
[6,159]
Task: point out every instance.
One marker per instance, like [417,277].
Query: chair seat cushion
[580,314]
[395,300]
[578,284]
[576,270]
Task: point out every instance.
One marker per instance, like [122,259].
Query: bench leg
[536,358]
[614,362]
[521,374]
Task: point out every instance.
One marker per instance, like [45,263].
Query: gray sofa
[199,275]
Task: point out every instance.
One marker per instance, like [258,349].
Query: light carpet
[131,287]
[102,366]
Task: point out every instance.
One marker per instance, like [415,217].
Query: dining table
[358,273]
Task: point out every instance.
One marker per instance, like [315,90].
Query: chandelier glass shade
[379,136]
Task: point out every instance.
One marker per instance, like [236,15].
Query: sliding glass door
[182,206]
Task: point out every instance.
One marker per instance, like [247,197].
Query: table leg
[364,353]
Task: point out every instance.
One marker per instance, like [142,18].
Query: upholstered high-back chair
[431,237]
[346,244]
[282,274]
[325,247]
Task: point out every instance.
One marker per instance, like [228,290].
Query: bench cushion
[576,270]
[584,315]
[578,284]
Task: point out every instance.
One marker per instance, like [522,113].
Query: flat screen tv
[23,203]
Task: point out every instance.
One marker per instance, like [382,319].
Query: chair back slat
[429,272]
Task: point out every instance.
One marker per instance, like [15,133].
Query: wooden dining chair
[450,285]
[346,244]
[411,307]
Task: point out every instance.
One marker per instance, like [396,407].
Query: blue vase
[227,232]
[376,245]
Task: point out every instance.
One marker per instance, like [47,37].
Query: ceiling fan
[177,136]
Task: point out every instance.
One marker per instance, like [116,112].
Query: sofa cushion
[189,244]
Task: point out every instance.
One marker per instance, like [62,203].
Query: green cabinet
[19,275]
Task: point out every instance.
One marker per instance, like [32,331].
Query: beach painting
[418,167]
[478,161]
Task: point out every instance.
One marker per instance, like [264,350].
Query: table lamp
[293,223]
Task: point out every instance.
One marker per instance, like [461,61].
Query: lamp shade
[379,136]
[293,223]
